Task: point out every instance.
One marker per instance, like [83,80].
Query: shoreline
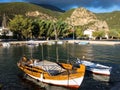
[69,41]
[100,42]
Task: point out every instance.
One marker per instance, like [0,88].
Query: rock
[40,15]
[82,16]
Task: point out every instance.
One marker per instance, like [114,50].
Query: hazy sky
[92,5]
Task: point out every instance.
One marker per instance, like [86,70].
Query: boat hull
[96,68]
[65,83]
[99,72]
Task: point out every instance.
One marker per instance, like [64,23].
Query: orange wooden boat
[61,74]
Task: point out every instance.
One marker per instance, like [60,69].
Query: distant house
[5,31]
[0,31]
[88,32]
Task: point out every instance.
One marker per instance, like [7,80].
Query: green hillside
[11,9]
[67,14]
[113,19]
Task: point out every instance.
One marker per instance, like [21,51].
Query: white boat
[54,42]
[60,74]
[101,77]
[6,44]
[32,43]
[50,43]
[60,42]
[82,43]
[95,67]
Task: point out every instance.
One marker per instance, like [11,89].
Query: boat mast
[56,37]
[31,53]
[56,41]
[42,54]
[42,51]
[57,52]
[67,52]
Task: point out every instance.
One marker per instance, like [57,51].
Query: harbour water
[11,76]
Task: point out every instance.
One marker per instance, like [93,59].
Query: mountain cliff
[81,17]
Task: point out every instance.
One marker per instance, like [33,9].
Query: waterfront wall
[97,42]
[69,41]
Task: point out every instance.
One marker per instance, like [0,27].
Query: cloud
[67,4]
[79,3]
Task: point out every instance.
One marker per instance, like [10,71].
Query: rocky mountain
[40,15]
[81,17]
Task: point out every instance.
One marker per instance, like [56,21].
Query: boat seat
[51,67]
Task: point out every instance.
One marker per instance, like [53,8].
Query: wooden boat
[95,67]
[60,74]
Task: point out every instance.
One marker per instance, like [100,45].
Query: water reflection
[101,78]
[42,86]
[103,54]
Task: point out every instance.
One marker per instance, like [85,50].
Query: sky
[96,6]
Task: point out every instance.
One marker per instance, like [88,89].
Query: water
[10,74]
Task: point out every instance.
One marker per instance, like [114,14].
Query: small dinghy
[6,44]
[95,67]
[82,43]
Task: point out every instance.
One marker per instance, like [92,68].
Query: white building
[1,31]
[88,32]
[8,32]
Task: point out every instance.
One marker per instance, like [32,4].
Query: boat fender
[24,58]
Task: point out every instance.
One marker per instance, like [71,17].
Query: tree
[27,28]
[61,28]
[15,25]
[42,29]
[36,29]
[21,27]
[79,32]
[49,29]
[114,33]
[99,34]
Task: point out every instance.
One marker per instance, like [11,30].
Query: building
[0,31]
[88,32]
[5,31]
